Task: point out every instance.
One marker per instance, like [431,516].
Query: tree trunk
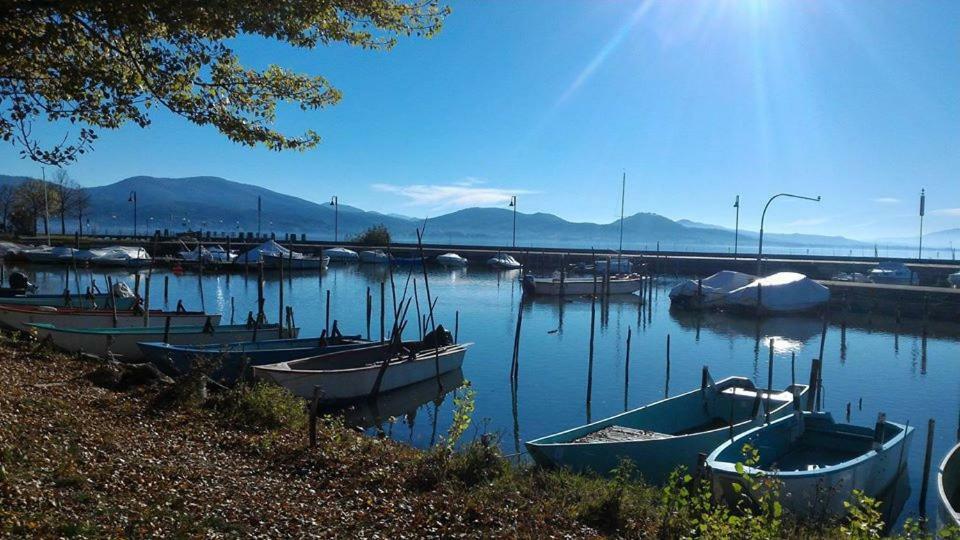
[80,221]
[46,224]
[63,223]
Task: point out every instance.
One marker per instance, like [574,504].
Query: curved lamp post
[764,215]
[335,203]
[133,198]
[513,204]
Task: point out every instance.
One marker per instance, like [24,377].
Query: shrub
[377,235]
[261,407]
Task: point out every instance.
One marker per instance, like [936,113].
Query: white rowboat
[19,317]
[581,286]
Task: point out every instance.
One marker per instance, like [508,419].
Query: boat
[617,265]
[257,254]
[851,277]
[19,317]
[954,279]
[503,261]
[578,286]
[122,342]
[47,254]
[665,434]
[709,291]
[402,403]
[818,462]
[339,254]
[893,273]
[295,261]
[62,300]
[229,359]
[375,256]
[451,260]
[783,292]
[214,254]
[948,489]
[352,374]
[122,256]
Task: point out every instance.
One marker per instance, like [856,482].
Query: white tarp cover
[715,287]
[781,292]
[341,254]
[267,248]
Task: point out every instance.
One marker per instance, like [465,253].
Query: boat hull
[18,319]
[948,489]
[303,263]
[351,384]
[580,287]
[58,300]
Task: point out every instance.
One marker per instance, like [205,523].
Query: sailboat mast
[623,193]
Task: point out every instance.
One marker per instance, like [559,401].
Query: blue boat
[818,461]
[666,434]
[948,488]
[228,361]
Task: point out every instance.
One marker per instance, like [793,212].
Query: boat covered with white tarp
[340,254]
[783,292]
[709,291]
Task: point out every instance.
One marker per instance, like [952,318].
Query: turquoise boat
[818,461]
[666,434]
[948,488]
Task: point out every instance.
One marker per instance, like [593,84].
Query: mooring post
[593,319]
[456,326]
[666,388]
[113,299]
[231,309]
[769,382]
[626,369]
[369,311]
[166,289]
[515,364]
[927,456]
[146,300]
[280,300]
[813,388]
[327,324]
[383,295]
[166,330]
[260,314]
[793,368]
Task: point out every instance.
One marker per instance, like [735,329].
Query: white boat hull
[19,319]
[580,286]
[343,385]
[948,489]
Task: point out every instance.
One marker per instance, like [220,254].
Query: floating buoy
[177,270]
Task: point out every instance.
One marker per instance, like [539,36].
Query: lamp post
[133,198]
[736,227]
[923,200]
[335,203]
[259,208]
[764,215]
[513,204]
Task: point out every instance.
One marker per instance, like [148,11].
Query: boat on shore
[352,374]
[20,317]
[665,434]
[122,342]
[451,260]
[818,462]
[579,286]
[948,489]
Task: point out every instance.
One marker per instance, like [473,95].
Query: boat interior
[364,356]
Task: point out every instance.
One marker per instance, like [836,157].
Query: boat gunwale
[954,512]
[729,384]
[726,468]
[151,330]
[446,350]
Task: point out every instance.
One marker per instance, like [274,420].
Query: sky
[857,101]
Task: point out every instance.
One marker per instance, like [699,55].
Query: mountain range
[217,204]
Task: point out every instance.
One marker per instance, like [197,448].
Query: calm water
[886,365]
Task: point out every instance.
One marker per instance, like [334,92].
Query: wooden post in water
[626,370]
[280,299]
[166,289]
[793,368]
[146,299]
[515,364]
[136,283]
[382,308]
[327,323]
[848,411]
[231,310]
[369,311]
[593,319]
[166,330]
[769,382]
[666,387]
[456,326]
[260,314]
[814,387]
[113,300]
[927,456]
[416,302]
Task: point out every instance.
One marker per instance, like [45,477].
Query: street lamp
[335,203]
[133,198]
[513,204]
[764,215]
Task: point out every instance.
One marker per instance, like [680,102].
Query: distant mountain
[217,204]
[940,239]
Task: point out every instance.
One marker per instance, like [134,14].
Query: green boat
[669,433]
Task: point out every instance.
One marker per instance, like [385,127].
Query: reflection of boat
[451,259]
[817,461]
[61,300]
[663,435]
[399,402]
[123,341]
[795,329]
[948,488]
[503,262]
[353,374]
[895,273]
[578,286]
[376,256]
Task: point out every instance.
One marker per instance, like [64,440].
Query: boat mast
[623,193]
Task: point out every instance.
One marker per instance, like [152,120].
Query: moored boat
[62,300]
[893,273]
[665,434]
[709,291]
[578,286]
[818,462]
[451,260]
[297,261]
[783,292]
[339,254]
[123,342]
[503,261]
[948,489]
[352,374]
[374,256]
[19,317]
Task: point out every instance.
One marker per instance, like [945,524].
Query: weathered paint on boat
[18,317]
[580,286]
[59,300]
[675,421]
[122,342]
[818,461]
[229,359]
[948,489]
[352,374]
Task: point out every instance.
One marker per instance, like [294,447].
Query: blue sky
[857,101]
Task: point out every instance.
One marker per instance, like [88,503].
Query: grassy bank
[77,459]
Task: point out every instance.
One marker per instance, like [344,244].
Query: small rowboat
[18,317]
[59,300]
[229,359]
[666,434]
[625,284]
[122,342]
[818,461]
[352,374]
[948,487]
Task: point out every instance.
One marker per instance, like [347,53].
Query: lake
[890,367]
